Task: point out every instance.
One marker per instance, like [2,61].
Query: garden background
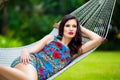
[23,22]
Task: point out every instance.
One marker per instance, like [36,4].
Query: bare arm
[94,41]
[39,46]
[25,54]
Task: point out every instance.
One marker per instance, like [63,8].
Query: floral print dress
[51,59]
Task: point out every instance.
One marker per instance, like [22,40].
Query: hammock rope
[95,15]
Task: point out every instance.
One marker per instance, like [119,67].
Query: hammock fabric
[95,15]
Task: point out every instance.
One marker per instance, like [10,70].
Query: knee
[0,67]
[29,78]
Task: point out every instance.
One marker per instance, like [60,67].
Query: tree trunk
[5,18]
[86,0]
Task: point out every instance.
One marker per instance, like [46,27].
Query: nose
[71,28]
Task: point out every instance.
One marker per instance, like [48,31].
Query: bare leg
[2,78]
[20,72]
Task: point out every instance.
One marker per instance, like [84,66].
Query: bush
[7,42]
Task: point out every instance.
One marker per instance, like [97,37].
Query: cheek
[65,30]
[75,30]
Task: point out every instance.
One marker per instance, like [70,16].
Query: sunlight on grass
[6,42]
[96,66]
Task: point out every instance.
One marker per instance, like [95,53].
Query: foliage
[111,43]
[61,6]
[7,42]
[30,29]
[116,20]
[30,20]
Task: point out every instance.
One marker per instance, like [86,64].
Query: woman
[52,53]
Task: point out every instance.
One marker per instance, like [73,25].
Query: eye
[74,26]
[67,25]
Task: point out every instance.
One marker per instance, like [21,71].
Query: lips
[71,33]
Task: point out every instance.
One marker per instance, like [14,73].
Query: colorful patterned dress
[51,59]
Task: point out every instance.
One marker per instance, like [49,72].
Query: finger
[21,60]
[27,59]
[56,25]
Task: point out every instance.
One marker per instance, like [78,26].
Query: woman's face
[70,28]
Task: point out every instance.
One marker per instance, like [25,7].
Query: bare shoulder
[46,39]
[49,38]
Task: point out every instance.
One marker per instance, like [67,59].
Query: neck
[65,41]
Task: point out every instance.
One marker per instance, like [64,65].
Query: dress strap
[57,37]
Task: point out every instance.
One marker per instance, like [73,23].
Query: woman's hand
[25,57]
[94,40]
[56,25]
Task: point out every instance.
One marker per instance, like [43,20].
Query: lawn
[102,65]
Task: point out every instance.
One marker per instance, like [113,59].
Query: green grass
[97,66]
[6,42]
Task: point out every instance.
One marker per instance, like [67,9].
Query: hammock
[95,15]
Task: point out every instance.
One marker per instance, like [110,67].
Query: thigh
[2,78]
[29,70]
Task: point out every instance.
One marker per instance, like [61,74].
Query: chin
[71,36]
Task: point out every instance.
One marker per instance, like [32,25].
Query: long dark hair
[76,42]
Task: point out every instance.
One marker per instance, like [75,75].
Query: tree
[5,17]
